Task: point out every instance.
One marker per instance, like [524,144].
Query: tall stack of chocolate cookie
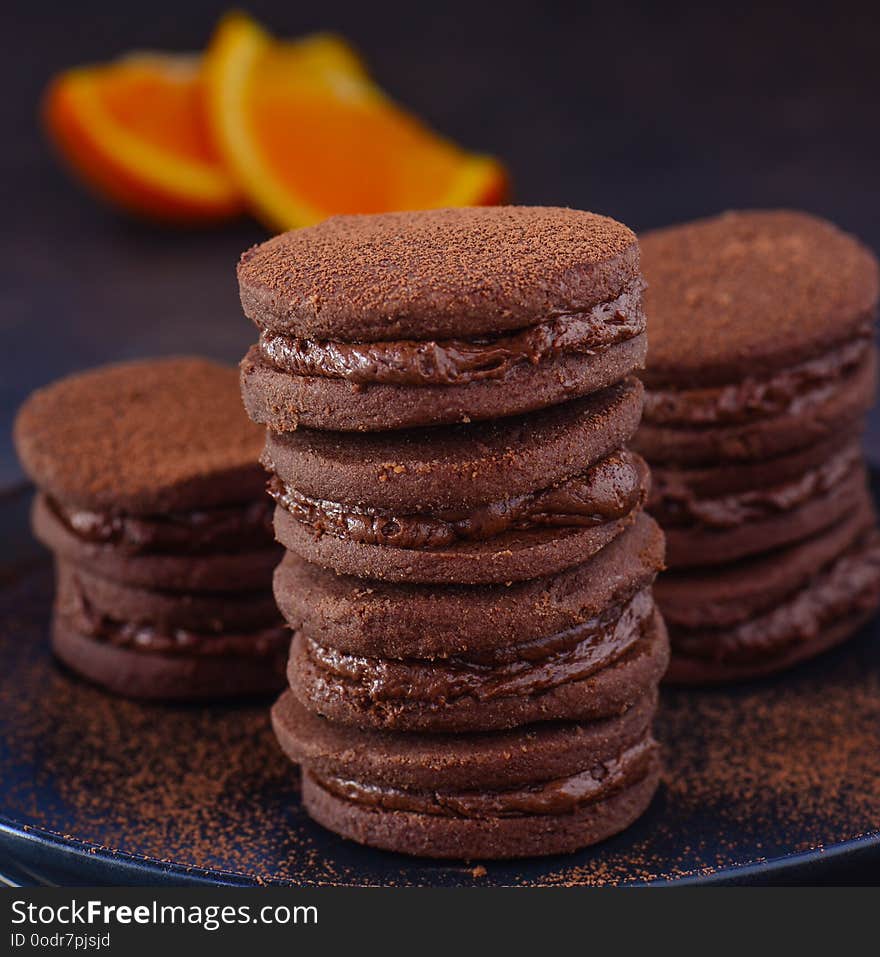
[761,369]
[151,498]
[476,650]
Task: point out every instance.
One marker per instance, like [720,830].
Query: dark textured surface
[764,772]
[651,113]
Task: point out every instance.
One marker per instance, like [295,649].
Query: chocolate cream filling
[459,361]
[80,614]
[848,585]
[147,638]
[560,796]
[531,668]
[607,491]
[675,505]
[229,528]
[789,392]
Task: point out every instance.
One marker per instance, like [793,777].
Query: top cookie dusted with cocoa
[408,319]
[143,438]
[762,340]
[750,293]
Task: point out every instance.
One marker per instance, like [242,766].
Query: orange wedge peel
[295,131]
[135,131]
[307,134]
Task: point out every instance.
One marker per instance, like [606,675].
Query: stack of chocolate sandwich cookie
[762,367]
[152,499]
[476,650]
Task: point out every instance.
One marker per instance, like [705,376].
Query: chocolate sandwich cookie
[783,424]
[184,569]
[370,323]
[677,489]
[543,790]
[581,645]
[152,499]
[515,499]
[398,620]
[722,528]
[144,438]
[735,593]
[168,645]
[761,336]
[198,611]
[829,603]
[591,672]
[139,660]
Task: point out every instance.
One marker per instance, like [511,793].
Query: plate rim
[61,846]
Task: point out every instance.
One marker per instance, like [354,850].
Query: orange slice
[135,130]
[308,135]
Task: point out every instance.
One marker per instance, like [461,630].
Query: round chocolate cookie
[826,610]
[169,611]
[719,597]
[592,671]
[761,337]
[369,323]
[750,294]
[223,571]
[142,438]
[674,487]
[687,669]
[399,620]
[508,557]
[197,668]
[719,530]
[174,646]
[284,402]
[515,499]
[756,430]
[457,466]
[543,790]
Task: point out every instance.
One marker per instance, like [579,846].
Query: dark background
[652,113]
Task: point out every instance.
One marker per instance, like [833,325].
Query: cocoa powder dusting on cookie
[142,437]
[447,272]
[748,293]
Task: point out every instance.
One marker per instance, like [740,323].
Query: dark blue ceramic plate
[776,780]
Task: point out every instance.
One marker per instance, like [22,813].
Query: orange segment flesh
[308,135]
[135,130]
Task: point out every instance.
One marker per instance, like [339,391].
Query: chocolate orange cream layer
[559,796]
[847,586]
[790,391]
[229,528]
[609,490]
[674,504]
[459,361]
